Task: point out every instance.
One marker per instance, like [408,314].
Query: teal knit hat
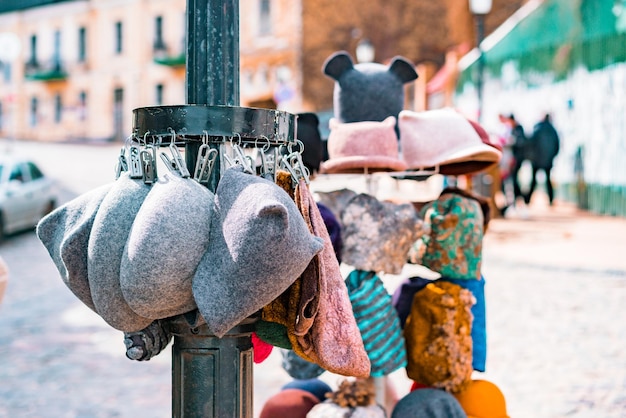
[453,246]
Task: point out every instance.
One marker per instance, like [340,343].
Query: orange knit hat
[482,399]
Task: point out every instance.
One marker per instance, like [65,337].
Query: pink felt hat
[357,146]
[445,139]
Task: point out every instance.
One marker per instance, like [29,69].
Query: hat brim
[358,164]
[470,160]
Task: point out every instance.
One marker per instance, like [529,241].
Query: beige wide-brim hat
[362,146]
[444,139]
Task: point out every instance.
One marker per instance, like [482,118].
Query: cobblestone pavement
[556,303]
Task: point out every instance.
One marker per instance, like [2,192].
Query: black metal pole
[211,377]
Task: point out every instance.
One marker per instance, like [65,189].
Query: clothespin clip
[135,167]
[204,164]
[122,164]
[148,164]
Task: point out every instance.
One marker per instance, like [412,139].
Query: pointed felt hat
[258,246]
[445,139]
[359,146]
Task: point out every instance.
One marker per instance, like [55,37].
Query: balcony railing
[162,56]
[48,71]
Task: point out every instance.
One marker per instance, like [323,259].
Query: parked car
[26,194]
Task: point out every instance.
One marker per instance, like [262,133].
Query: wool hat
[299,368]
[261,349]
[428,403]
[359,146]
[402,297]
[168,238]
[334,229]
[353,398]
[307,131]
[258,246]
[445,139]
[377,235]
[111,227]
[367,91]
[437,336]
[317,387]
[336,201]
[377,321]
[479,323]
[65,234]
[482,399]
[453,245]
[289,403]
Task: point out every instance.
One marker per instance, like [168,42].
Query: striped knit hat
[378,322]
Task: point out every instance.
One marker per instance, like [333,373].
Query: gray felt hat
[258,246]
[65,234]
[428,403]
[109,234]
[168,238]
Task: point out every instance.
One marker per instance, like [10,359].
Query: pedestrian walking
[544,145]
[520,154]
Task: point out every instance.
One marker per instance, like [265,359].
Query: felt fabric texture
[482,399]
[4,278]
[261,349]
[65,234]
[445,139]
[109,233]
[428,403]
[329,409]
[377,321]
[437,336]
[325,326]
[334,229]
[453,245]
[273,333]
[402,298]
[168,238]
[336,201]
[317,387]
[359,146]
[289,403]
[307,131]
[299,368]
[258,246]
[479,324]
[367,91]
[377,235]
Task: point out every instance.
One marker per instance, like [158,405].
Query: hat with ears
[289,403]
[359,146]
[168,238]
[377,235]
[110,231]
[443,139]
[65,234]
[428,403]
[482,399]
[258,246]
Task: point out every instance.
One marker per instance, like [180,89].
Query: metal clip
[148,163]
[135,167]
[122,163]
[204,164]
[177,164]
[242,159]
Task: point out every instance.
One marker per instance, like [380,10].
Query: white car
[26,195]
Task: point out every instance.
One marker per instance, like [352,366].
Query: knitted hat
[259,245]
[482,399]
[437,336]
[167,240]
[443,138]
[359,146]
[453,247]
[378,323]
[111,227]
[377,235]
[65,234]
[402,297]
[428,403]
[261,349]
[479,324]
[289,403]
[317,387]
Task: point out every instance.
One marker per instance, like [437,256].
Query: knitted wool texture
[428,403]
[482,399]
[377,321]
[258,246]
[167,240]
[111,227]
[437,335]
[65,234]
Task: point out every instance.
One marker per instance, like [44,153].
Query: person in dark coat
[544,144]
[520,153]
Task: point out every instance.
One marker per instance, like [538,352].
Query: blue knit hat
[317,387]
[428,403]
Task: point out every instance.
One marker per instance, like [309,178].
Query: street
[555,295]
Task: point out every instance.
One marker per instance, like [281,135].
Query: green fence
[597,198]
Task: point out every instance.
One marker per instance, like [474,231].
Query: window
[158,34]
[58,108]
[82,44]
[118,38]
[82,105]
[33,51]
[34,104]
[33,170]
[16,173]
[158,94]
[265,21]
[56,55]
